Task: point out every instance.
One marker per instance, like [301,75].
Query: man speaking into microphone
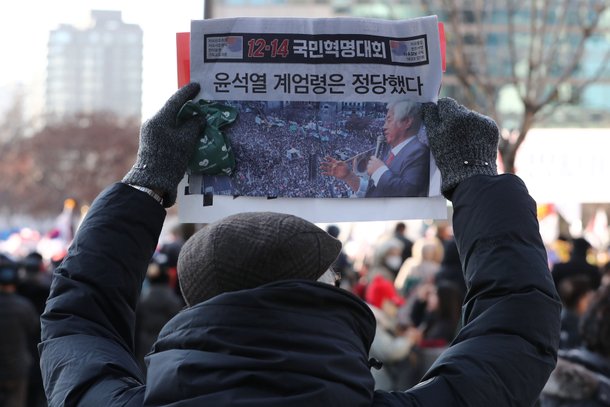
[401,166]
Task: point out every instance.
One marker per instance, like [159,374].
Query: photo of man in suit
[402,165]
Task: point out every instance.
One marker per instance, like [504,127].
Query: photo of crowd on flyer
[325,150]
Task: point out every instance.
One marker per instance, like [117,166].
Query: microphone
[380,140]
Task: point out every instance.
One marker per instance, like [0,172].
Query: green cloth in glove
[166,146]
[214,154]
[463,142]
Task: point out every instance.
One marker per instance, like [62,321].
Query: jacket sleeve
[87,349]
[507,347]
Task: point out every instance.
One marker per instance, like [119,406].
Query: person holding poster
[402,165]
[265,325]
[309,88]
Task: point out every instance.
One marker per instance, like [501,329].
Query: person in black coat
[19,328]
[582,376]
[577,265]
[264,323]
[158,304]
[35,286]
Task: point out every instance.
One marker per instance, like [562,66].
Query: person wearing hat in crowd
[19,328]
[577,265]
[34,285]
[392,343]
[158,304]
[259,328]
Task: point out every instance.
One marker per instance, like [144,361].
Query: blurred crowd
[411,279]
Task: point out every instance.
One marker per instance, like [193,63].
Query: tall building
[96,69]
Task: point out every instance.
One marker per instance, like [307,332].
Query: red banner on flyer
[183,54]
[441,36]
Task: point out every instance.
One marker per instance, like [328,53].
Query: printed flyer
[328,111]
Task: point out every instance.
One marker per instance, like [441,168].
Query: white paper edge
[191,209]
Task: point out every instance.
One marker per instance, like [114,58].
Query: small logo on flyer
[398,48]
[229,47]
[409,51]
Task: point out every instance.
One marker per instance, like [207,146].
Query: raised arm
[507,347]
[87,349]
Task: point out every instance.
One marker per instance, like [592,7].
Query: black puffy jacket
[297,343]
[289,343]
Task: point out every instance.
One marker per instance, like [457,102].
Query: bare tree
[537,47]
[75,159]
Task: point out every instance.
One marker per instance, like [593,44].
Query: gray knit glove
[166,147]
[463,142]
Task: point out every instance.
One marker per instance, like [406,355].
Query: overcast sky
[25,27]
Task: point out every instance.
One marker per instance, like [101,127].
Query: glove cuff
[149,192]
[141,176]
[466,169]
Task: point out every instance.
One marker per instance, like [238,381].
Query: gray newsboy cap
[251,249]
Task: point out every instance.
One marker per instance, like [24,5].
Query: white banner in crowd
[565,166]
[316,99]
